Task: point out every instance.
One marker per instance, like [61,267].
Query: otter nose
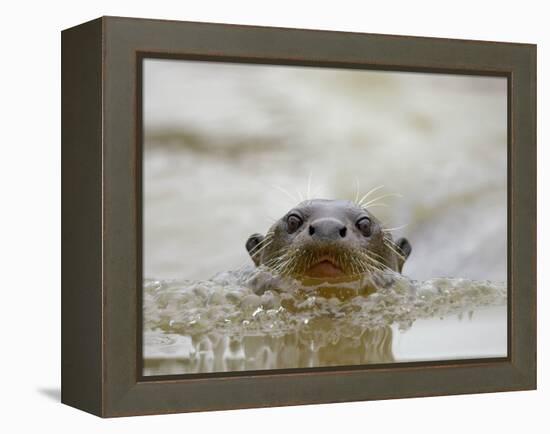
[327,229]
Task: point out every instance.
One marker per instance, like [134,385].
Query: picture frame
[102,216]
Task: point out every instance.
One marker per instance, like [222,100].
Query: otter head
[328,239]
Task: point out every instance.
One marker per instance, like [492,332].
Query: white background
[30,215]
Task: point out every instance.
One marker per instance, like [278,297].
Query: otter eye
[364,225]
[293,222]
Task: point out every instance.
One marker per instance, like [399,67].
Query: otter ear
[405,248]
[252,245]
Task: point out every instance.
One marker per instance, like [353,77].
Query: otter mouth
[324,268]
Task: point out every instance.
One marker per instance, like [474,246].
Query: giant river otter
[328,240]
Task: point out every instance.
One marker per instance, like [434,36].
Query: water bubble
[257,311]
[227,307]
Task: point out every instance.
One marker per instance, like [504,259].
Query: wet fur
[291,254]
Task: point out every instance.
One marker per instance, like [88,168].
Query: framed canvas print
[260,216]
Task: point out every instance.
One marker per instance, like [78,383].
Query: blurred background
[229,148]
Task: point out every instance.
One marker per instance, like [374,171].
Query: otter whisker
[374,283]
[370,257]
[281,263]
[245,264]
[394,248]
[268,237]
[260,270]
[395,228]
[309,260]
[378,204]
[369,261]
[261,245]
[379,259]
[354,265]
[257,251]
[293,266]
[286,192]
[368,194]
[287,267]
[382,258]
[356,200]
[299,195]
[377,264]
[362,268]
[372,201]
[350,265]
[275,262]
[367,267]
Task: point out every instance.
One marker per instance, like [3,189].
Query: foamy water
[222,324]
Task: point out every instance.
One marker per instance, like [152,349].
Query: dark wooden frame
[101,216]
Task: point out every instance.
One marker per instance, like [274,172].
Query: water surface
[222,325]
